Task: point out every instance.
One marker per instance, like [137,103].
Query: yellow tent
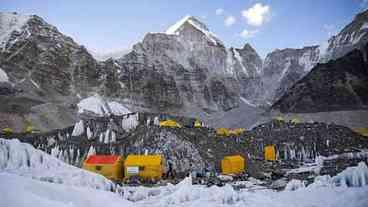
[362,131]
[197,123]
[279,118]
[170,123]
[8,131]
[295,121]
[232,165]
[223,132]
[144,166]
[270,152]
[110,166]
[236,132]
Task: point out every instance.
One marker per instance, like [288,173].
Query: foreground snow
[17,191]
[23,159]
[32,177]
[20,191]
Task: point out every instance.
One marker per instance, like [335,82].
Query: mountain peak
[176,28]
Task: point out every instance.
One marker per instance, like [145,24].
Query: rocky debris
[193,149]
[337,85]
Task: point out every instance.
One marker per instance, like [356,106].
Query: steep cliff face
[282,68]
[340,84]
[52,62]
[246,66]
[352,36]
[184,68]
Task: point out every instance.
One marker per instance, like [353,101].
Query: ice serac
[183,68]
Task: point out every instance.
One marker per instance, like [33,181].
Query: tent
[232,165]
[110,166]
[144,166]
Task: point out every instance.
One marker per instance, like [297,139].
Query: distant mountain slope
[340,84]
[283,68]
[352,36]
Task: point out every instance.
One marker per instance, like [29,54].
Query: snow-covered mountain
[352,36]
[185,70]
[340,84]
[283,68]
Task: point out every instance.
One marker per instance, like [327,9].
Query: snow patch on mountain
[3,76]
[98,106]
[284,71]
[175,29]
[229,62]
[246,101]
[306,61]
[240,60]
[9,23]
[364,26]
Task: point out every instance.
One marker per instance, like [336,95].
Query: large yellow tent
[270,153]
[223,132]
[144,166]
[170,123]
[110,166]
[232,165]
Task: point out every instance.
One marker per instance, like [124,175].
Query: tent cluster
[114,167]
[226,132]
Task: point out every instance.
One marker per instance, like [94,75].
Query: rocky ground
[198,148]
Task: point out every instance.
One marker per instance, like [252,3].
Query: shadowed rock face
[340,84]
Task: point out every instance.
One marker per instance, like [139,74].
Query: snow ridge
[175,29]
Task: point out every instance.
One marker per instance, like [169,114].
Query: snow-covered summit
[176,28]
[10,22]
